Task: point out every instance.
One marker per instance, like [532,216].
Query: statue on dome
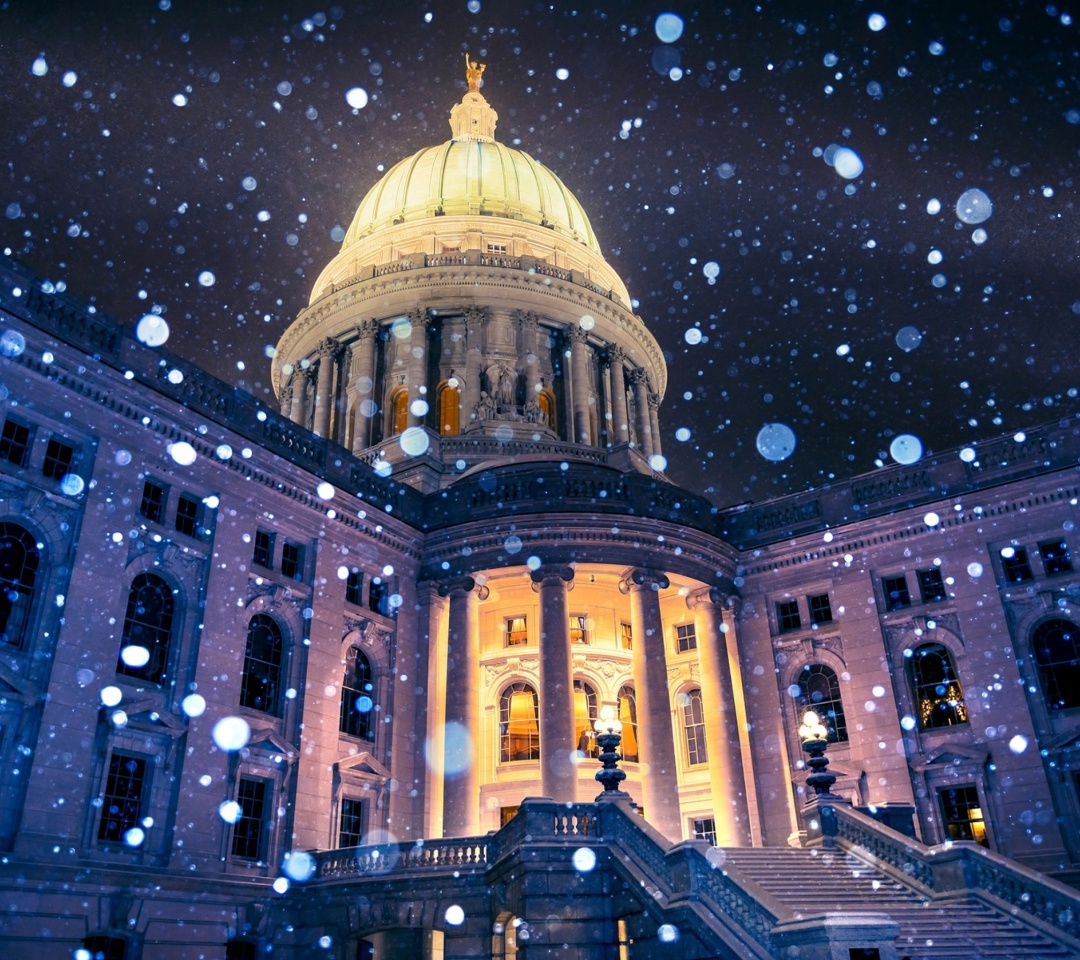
[506,383]
[473,73]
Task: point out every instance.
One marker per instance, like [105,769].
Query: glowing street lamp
[814,735]
[608,735]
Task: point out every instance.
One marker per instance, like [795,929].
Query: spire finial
[474,72]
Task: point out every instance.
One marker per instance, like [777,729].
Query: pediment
[147,712]
[362,765]
[950,754]
[268,740]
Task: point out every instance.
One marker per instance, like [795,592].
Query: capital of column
[643,578]
[461,586]
[654,401]
[328,347]
[420,318]
[366,329]
[638,375]
[475,316]
[551,573]
[613,356]
[577,336]
[286,393]
[526,319]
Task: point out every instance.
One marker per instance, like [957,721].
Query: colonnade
[341,387]
[656,730]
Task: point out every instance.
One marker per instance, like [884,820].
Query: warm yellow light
[812,728]
[608,723]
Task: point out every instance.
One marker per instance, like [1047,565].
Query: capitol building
[324,677]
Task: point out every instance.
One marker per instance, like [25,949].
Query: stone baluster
[656,743]
[461,760]
[728,785]
[417,367]
[324,386]
[619,415]
[642,423]
[475,318]
[362,384]
[558,773]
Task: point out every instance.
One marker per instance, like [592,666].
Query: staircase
[815,880]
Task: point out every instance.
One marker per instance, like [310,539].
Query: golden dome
[472,174]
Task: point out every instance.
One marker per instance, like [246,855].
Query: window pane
[153,501]
[1055,556]
[14,443]
[148,624]
[121,802]
[519,727]
[694,727]
[896,592]
[931,586]
[578,633]
[58,458]
[705,830]
[819,690]
[353,586]
[357,697]
[963,815]
[938,695]
[787,615]
[19,559]
[352,823]
[1056,646]
[628,717]
[187,515]
[585,714]
[1015,565]
[685,637]
[820,608]
[626,636]
[264,550]
[249,829]
[517,633]
[259,687]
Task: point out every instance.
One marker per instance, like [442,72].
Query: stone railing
[427,856]
[962,866]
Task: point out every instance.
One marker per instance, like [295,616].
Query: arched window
[819,690]
[1056,646]
[399,411]
[546,399]
[938,694]
[148,626]
[628,717]
[449,409]
[357,699]
[584,716]
[519,726]
[260,686]
[19,560]
[694,726]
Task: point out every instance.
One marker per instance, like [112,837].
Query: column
[641,410]
[721,723]
[528,358]
[654,422]
[620,418]
[558,773]
[656,742]
[461,770]
[607,417]
[418,359]
[362,384]
[285,399]
[323,385]
[299,381]
[474,334]
[579,374]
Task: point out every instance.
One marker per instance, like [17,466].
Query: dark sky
[155,141]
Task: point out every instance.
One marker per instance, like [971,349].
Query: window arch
[585,714]
[449,407]
[934,681]
[260,686]
[148,624]
[357,696]
[546,399]
[694,726]
[19,562]
[1056,647]
[399,412]
[519,724]
[628,717]
[819,690]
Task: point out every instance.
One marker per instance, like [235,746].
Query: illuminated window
[260,685]
[1056,646]
[584,716]
[517,633]
[628,717]
[626,636]
[685,637]
[19,560]
[705,829]
[449,410]
[546,399]
[694,727]
[519,726]
[578,631]
[938,694]
[962,814]
[357,696]
[787,615]
[819,690]
[399,411]
[148,624]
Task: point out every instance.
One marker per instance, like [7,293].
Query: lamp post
[813,734]
[608,736]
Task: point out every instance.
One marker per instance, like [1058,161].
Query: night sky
[148,144]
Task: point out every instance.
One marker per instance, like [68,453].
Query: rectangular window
[705,830]
[351,830]
[1015,565]
[626,636]
[517,632]
[787,615]
[249,830]
[896,592]
[820,608]
[496,248]
[506,814]
[379,596]
[931,586]
[694,728]
[121,803]
[264,550]
[292,561]
[578,631]
[15,442]
[962,814]
[354,583]
[58,459]
[1055,557]
[685,637]
[152,505]
[187,515]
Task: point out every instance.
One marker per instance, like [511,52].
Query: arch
[628,717]
[20,560]
[448,404]
[1055,645]
[260,685]
[546,399]
[939,696]
[397,412]
[819,690]
[519,723]
[148,624]
[693,721]
[357,696]
[585,714]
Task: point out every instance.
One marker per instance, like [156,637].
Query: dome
[472,174]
